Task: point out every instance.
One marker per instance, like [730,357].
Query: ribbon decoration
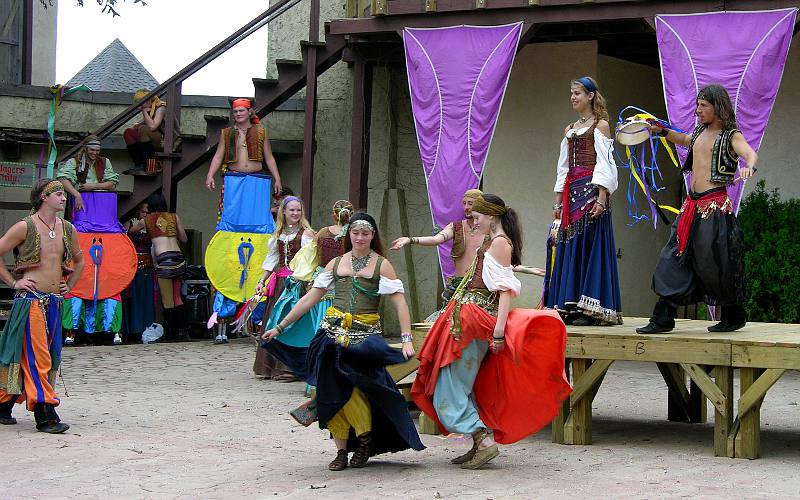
[59,92]
[96,253]
[244,260]
[642,172]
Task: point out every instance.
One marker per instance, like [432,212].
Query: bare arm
[403,316]
[154,122]
[12,239]
[77,262]
[216,163]
[180,230]
[272,165]
[501,251]
[442,236]
[744,150]
[68,187]
[672,136]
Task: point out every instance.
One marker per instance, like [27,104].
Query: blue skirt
[582,272]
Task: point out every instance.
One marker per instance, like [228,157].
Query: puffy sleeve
[271,260]
[324,280]
[109,175]
[388,286]
[305,240]
[67,171]
[562,169]
[498,277]
[605,171]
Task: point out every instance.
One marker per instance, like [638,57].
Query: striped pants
[34,376]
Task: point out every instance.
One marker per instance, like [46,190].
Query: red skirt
[519,390]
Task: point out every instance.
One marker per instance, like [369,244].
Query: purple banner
[457,77]
[743,51]
[99,214]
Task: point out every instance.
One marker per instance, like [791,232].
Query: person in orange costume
[30,343]
[516,389]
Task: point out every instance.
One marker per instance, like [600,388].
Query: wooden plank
[578,427]
[717,396]
[748,356]
[723,417]
[649,350]
[747,428]
[557,425]
[757,388]
[678,403]
[583,386]
[427,425]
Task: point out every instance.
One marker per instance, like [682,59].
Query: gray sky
[165,36]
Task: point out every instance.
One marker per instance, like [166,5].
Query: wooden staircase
[293,75]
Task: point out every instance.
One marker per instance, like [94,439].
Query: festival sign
[20,175]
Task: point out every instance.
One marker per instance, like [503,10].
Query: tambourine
[632,131]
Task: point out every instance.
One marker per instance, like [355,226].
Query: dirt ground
[189,420]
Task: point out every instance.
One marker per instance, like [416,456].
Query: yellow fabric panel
[356,413]
[305,263]
[224,269]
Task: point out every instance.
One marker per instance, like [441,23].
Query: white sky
[166,35]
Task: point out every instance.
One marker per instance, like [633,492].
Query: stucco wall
[43,52]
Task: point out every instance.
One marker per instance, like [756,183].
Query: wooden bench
[762,351]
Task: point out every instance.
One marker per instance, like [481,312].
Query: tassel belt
[481,297]
[350,329]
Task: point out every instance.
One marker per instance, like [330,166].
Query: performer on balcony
[357,400]
[87,171]
[146,136]
[704,257]
[30,343]
[582,282]
[292,232]
[517,389]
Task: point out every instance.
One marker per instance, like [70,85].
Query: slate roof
[114,69]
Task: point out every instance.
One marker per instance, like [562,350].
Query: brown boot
[340,462]
[477,437]
[363,452]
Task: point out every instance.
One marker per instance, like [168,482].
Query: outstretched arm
[442,236]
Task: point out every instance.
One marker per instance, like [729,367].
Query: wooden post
[172,116]
[359,136]
[578,427]
[557,425]
[309,129]
[723,421]
[748,439]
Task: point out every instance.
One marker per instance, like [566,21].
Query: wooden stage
[696,365]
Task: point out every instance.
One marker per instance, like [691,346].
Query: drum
[632,132]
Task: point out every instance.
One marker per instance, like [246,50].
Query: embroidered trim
[591,307]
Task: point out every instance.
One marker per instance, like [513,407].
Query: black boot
[181,333]
[137,156]
[732,318]
[5,413]
[663,319]
[47,419]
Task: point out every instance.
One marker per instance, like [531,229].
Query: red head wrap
[244,102]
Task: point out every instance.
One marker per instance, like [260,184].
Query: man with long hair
[30,345]
[704,257]
[87,171]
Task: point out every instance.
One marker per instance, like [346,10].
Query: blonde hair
[281,217]
[598,102]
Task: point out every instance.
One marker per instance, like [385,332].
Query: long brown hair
[377,242]
[718,97]
[598,102]
[511,226]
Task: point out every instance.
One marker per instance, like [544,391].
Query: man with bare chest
[466,241]
[704,257]
[243,147]
[30,344]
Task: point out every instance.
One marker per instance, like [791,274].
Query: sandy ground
[190,421]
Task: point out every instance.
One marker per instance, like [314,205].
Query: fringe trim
[591,307]
[580,225]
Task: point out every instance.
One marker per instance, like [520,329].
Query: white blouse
[497,277]
[605,170]
[386,286]
[273,255]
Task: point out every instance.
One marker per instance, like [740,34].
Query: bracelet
[406,337]
[499,340]
[558,206]
[279,328]
[13,284]
[664,132]
[598,202]
[414,240]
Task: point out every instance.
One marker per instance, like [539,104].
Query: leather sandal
[363,452]
[340,462]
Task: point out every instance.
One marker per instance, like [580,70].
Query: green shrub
[772,256]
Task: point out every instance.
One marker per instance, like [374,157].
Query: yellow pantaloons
[356,413]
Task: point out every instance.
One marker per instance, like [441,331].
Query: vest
[28,254]
[254,139]
[161,224]
[329,247]
[287,251]
[459,242]
[99,169]
[580,150]
[349,296]
[724,159]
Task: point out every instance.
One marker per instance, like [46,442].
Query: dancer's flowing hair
[511,226]
[280,221]
[598,101]
[717,96]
